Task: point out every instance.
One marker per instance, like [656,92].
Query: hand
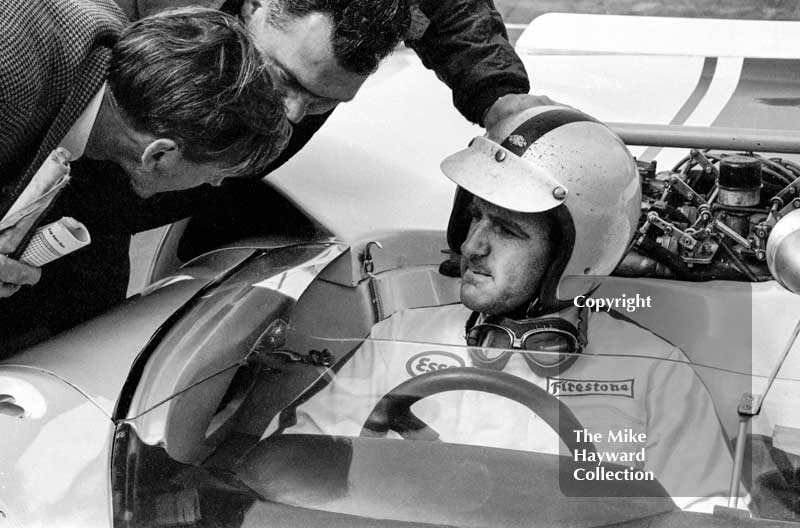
[511,104]
[14,274]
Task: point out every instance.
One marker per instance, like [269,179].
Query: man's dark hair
[192,75]
[363,32]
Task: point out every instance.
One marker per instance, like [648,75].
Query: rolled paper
[54,241]
[23,216]
[48,180]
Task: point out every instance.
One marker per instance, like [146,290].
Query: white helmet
[554,158]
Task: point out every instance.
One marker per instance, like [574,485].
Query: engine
[711,216]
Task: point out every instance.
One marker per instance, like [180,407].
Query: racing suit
[661,398]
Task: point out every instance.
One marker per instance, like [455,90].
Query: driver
[553,200]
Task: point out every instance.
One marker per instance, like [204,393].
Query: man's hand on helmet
[511,104]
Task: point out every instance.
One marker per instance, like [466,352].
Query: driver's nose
[296,107]
[477,243]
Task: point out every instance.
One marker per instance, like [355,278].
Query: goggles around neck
[549,345]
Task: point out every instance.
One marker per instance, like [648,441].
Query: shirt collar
[77,136]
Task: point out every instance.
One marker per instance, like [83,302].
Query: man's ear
[161,153]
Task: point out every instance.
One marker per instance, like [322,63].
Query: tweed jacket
[54,56]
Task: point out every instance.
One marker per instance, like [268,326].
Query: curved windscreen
[351,430]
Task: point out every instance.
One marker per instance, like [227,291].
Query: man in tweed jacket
[174,101]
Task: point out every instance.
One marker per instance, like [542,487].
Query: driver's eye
[474,212]
[508,232]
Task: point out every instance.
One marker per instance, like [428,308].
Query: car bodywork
[176,367]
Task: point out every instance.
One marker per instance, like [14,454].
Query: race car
[183,407]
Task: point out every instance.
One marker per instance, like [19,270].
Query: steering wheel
[393,411]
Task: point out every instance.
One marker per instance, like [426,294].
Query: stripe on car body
[704,104]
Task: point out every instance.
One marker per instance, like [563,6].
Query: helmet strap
[460,219]
[563,247]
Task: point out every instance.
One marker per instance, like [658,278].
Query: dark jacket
[463,41]
[466,44]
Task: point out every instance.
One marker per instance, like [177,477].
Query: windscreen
[329,430]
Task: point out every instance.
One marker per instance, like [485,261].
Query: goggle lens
[545,341]
[544,344]
[493,342]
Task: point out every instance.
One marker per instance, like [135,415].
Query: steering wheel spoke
[393,411]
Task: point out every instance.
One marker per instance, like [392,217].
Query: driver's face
[504,257]
[300,60]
